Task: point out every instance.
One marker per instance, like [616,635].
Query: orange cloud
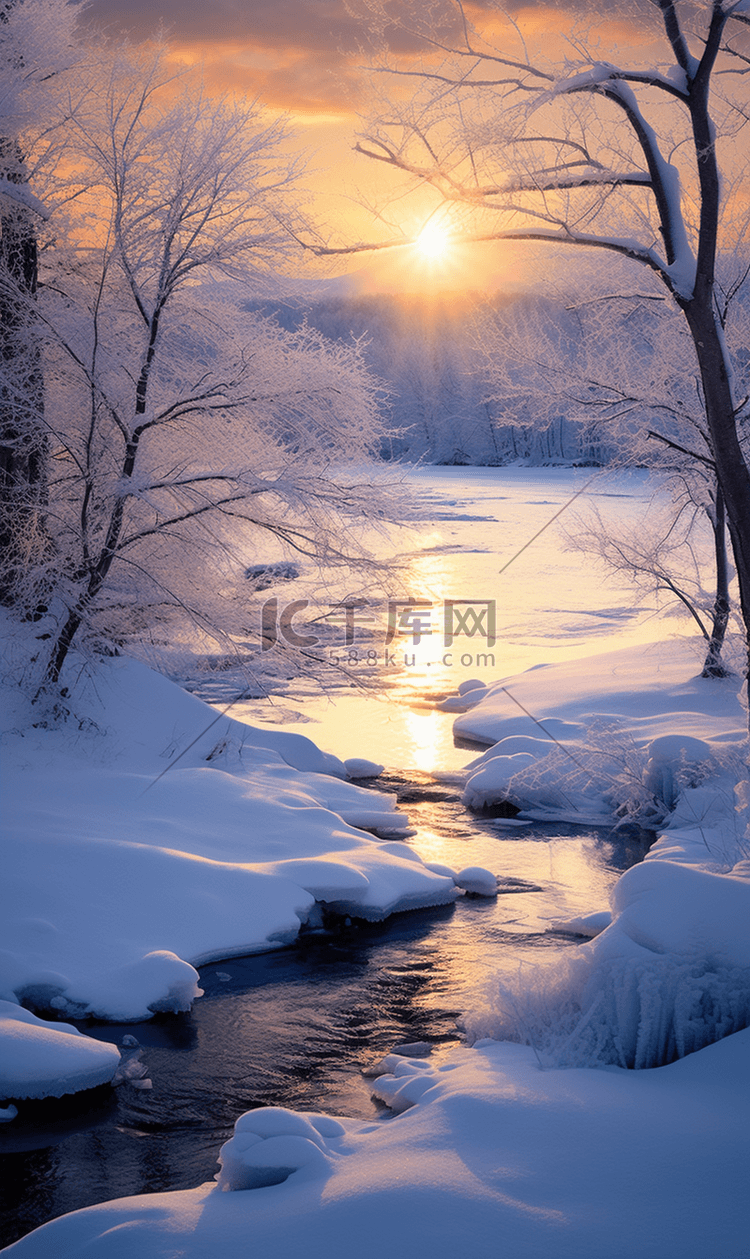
[294,54]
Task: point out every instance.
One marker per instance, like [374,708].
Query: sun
[433,242]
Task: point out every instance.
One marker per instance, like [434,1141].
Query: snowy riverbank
[117,882]
[553,1147]
[116,885]
[496,1156]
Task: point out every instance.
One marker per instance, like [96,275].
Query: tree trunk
[61,648]
[23,443]
[732,473]
[731,470]
[713,666]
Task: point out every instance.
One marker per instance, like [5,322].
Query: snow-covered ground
[117,882]
[541,1141]
[494,1157]
[575,739]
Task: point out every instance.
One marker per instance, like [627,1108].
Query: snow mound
[39,1059]
[624,730]
[666,756]
[643,686]
[163,836]
[159,982]
[403,1082]
[477,881]
[480,1161]
[491,782]
[272,1144]
[667,972]
[358,767]
[670,975]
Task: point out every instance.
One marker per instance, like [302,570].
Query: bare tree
[587,154]
[180,428]
[662,555]
[620,362]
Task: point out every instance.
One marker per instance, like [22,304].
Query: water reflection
[549,608]
[399,728]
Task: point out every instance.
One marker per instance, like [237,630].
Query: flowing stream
[297,1027]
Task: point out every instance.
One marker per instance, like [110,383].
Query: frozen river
[297,1027]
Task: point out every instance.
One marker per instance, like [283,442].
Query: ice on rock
[271,1144]
[477,881]
[131,1070]
[39,1059]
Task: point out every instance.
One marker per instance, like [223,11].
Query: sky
[298,55]
[305,58]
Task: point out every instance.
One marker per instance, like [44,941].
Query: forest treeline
[443,406]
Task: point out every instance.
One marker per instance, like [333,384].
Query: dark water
[295,1028]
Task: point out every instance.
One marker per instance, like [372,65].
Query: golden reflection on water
[421,732]
[486,938]
[550,606]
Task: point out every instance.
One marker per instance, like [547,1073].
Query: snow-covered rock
[271,1144]
[158,982]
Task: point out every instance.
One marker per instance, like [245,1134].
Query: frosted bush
[624,1012]
[604,772]
[608,770]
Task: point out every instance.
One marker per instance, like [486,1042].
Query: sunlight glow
[433,241]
